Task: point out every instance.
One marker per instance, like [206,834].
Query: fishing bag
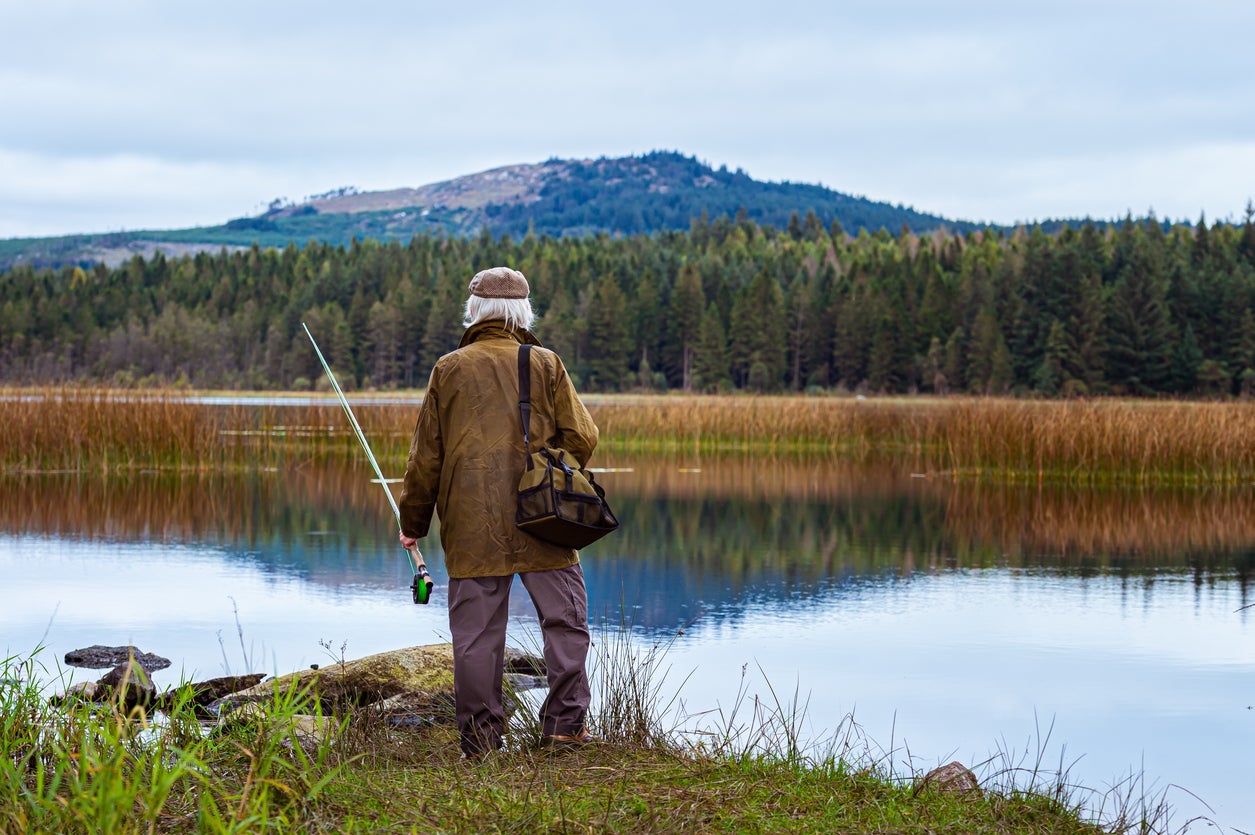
[558,501]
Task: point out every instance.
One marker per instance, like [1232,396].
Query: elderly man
[465,462]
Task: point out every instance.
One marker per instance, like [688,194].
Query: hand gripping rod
[422,579]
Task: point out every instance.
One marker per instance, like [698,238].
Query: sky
[138,114]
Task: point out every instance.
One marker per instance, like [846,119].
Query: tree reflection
[698,535]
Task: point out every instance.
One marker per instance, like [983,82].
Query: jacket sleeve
[577,433]
[422,473]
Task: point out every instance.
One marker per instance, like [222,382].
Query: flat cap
[499,283]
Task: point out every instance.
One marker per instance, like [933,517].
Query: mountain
[631,195]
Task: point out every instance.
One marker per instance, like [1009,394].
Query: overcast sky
[130,114]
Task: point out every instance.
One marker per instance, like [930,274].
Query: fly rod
[421,587]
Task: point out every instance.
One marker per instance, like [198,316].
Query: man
[465,462]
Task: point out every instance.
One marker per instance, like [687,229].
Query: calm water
[952,621]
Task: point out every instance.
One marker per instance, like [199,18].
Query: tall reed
[1075,442]
[1080,442]
[97,430]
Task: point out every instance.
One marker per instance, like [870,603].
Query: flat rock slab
[98,657]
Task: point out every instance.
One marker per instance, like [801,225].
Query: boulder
[412,686]
[952,778]
[98,657]
[128,684]
[84,691]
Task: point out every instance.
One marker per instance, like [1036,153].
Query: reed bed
[1073,442]
[102,431]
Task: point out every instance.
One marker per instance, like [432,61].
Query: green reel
[422,585]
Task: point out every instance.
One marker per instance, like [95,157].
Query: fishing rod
[422,585]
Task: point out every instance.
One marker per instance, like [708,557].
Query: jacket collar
[496,329]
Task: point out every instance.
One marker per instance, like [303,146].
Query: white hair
[517,313]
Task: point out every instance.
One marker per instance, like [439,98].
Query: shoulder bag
[558,501]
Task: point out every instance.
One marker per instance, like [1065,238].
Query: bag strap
[525,398]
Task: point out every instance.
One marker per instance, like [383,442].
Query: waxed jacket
[467,453]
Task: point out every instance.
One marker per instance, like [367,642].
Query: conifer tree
[384,328]
[647,315]
[608,354]
[1139,331]
[710,358]
[688,303]
[558,330]
[444,324]
[800,329]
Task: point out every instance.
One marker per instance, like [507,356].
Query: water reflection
[951,614]
[700,538]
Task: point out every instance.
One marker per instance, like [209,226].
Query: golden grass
[1075,442]
[1143,442]
[102,431]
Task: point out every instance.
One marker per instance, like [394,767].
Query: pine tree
[853,338]
[1243,352]
[800,326]
[1139,331]
[989,360]
[955,366]
[757,343]
[443,327]
[1052,377]
[384,329]
[1184,366]
[608,354]
[688,303]
[647,313]
[558,329]
[710,358]
[1246,244]
[1085,335]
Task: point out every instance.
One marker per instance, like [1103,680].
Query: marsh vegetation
[1075,442]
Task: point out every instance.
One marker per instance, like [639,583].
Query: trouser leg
[478,610]
[562,604]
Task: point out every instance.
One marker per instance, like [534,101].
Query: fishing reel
[422,585]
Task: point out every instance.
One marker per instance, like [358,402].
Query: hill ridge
[637,194]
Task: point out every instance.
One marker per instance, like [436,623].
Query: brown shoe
[565,742]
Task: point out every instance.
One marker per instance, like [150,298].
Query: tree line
[1138,308]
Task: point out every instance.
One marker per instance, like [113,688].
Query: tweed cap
[499,283]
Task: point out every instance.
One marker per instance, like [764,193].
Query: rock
[205,693]
[85,691]
[97,657]
[412,686]
[128,684]
[517,661]
[953,778]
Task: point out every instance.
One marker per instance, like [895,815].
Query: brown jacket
[467,454]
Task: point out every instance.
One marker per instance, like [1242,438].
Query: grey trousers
[478,611]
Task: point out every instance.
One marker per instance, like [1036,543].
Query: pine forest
[1134,308]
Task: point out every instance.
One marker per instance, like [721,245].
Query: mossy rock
[406,686]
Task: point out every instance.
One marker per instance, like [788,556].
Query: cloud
[972,107]
[43,193]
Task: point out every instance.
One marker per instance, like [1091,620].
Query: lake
[1100,630]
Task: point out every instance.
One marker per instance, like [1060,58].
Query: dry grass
[1142,442]
[1074,442]
[103,431]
